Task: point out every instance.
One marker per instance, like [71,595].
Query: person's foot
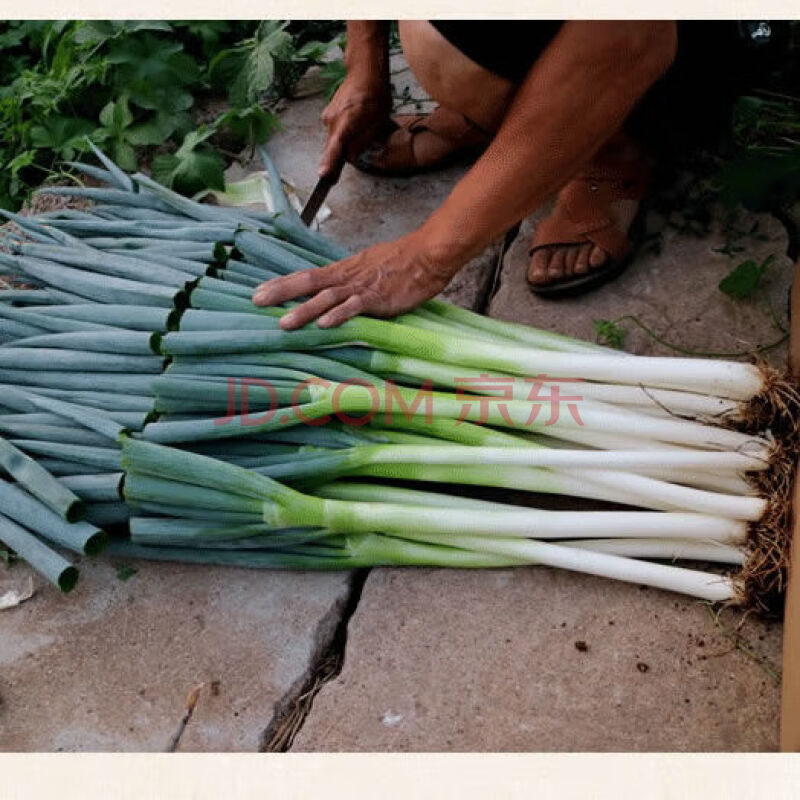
[420,143]
[587,231]
[554,264]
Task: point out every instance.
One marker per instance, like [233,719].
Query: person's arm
[363,102]
[576,96]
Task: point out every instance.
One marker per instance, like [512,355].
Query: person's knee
[451,78]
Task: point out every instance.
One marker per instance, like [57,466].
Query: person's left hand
[385,280]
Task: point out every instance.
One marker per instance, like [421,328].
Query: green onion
[40,483]
[119,266]
[98,488]
[105,288]
[136,318]
[80,537]
[44,560]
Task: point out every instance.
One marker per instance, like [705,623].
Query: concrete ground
[509,660]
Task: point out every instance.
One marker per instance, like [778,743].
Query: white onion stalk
[672,549]
[668,549]
[588,471]
[344,517]
[703,585]
[637,397]
[574,459]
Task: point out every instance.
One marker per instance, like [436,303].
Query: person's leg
[472,102]
[453,79]
[462,85]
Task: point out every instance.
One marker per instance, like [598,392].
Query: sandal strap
[583,209]
[447,124]
[398,154]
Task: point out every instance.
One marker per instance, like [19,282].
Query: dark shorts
[716,61]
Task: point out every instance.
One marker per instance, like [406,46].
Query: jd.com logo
[482,399]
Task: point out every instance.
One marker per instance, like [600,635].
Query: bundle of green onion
[138,377]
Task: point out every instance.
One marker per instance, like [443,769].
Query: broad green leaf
[21,161]
[13,37]
[312,51]
[226,65]
[154,72]
[745,278]
[254,125]
[64,135]
[193,139]
[193,167]
[18,163]
[258,72]
[201,169]
[209,32]
[116,115]
[63,58]
[122,153]
[163,99]
[148,55]
[96,32]
[164,168]
[155,130]
[136,25]
[116,119]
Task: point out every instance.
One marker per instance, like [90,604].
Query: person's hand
[355,117]
[385,280]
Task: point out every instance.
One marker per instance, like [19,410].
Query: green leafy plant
[743,280]
[251,125]
[135,86]
[65,136]
[154,72]
[194,165]
[609,333]
[249,68]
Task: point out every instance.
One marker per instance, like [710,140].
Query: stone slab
[536,659]
[110,666]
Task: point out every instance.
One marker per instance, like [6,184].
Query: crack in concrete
[493,276]
[291,711]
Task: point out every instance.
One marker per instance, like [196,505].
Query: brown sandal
[395,157]
[582,215]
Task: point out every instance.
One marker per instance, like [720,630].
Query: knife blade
[324,185]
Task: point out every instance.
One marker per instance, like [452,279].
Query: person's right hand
[357,114]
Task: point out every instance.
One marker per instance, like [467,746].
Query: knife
[324,185]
